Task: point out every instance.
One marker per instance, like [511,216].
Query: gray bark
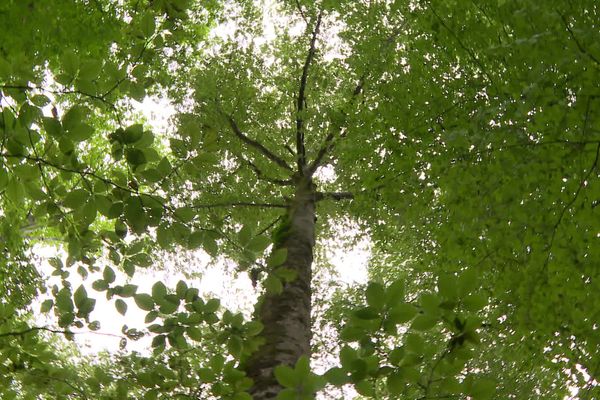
[286,317]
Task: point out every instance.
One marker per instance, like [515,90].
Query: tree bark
[286,316]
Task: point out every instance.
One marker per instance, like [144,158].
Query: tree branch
[334,196]
[35,329]
[299,7]
[328,143]
[253,143]
[240,204]
[301,101]
[568,206]
[470,52]
[260,175]
[582,49]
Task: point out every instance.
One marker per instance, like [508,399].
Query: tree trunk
[286,316]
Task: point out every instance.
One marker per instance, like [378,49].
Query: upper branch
[260,175]
[328,143]
[301,100]
[262,149]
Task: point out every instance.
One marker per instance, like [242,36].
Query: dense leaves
[461,138]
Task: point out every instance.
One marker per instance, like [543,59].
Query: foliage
[463,138]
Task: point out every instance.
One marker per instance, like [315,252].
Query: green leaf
[336,376]
[395,383]
[212,305]
[135,157]
[483,389]
[185,214]
[159,291]
[181,289]
[258,244]
[135,215]
[395,293]
[108,274]
[144,301]
[287,394]
[46,305]
[147,24]
[302,367]
[447,286]
[253,328]
[277,258]
[40,100]
[158,341]
[365,388]
[273,285]
[244,235]
[80,296]
[52,126]
[286,376]
[128,290]
[63,301]
[424,322]
[414,343]
[80,132]
[194,333]
[132,134]
[375,295]
[396,355]
[475,302]
[100,285]
[367,313]
[235,346]
[286,274]
[402,313]
[121,306]
[76,198]
[467,281]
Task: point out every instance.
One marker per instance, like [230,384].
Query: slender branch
[582,49]
[64,381]
[253,143]
[35,329]
[301,100]
[328,143]
[433,368]
[299,7]
[289,149]
[71,170]
[470,52]
[260,175]
[334,196]
[58,331]
[240,204]
[265,229]
[568,206]
[31,88]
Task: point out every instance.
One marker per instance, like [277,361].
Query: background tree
[461,138]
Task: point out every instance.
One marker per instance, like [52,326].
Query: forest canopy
[459,139]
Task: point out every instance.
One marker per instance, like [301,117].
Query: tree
[462,138]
